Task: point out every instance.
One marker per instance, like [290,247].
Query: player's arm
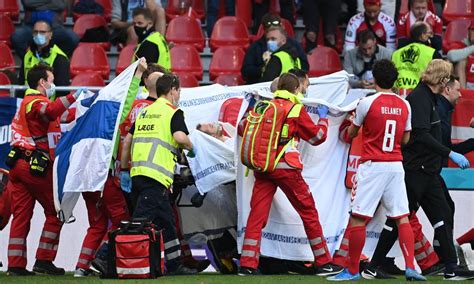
[359,117]
[406,134]
[406,137]
[353,131]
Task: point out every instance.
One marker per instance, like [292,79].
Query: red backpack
[263,130]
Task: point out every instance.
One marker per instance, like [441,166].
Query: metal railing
[14,88]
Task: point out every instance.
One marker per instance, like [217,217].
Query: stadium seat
[229,31]
[89,21]
[454,9]
[4,80]
[187,80]
[229,80]
[322,61]
[320,40]
[6,29]
[90,57]
[186,59]
[173,10]
[226,60]
[229,111]
[106,4]
[6,58]
[88,79]
[456,32]
[186,30]
[243,11]
[10,8]
[286,24]
[461,117]
[125,58]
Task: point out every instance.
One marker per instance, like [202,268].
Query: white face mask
[52,89]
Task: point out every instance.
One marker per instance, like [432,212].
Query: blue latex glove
[79,91]
[191,154]
[125,181]
[251,99]
[322,111]
[459,159]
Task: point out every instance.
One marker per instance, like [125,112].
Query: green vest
[411,61]
[154,149]
[287,62]
[164,59]
[30,59]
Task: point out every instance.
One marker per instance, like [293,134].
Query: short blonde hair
[437,71]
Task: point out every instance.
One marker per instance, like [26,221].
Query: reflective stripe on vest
[287,62]
[31,60]
[154,149]
[411,61]
[164,58]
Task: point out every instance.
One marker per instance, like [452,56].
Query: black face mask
[142,32]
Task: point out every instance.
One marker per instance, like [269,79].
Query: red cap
[372,2]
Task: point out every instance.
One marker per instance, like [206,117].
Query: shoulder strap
[369,26]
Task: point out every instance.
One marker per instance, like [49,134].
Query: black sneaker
[100,265]
[328,269]
[183,270]
[245,271]
[392,268]
[433,270]
[375,273]
[459,274]
[44,266]
[17,271]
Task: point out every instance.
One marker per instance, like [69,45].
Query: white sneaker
[80,272]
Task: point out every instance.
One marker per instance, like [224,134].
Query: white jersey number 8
[389,136]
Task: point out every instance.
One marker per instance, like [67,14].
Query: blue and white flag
[84,152]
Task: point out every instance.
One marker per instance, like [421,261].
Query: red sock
[356,244]
[466,238]
[407,244]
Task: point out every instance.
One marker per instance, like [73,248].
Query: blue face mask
[272,45]
[39,39]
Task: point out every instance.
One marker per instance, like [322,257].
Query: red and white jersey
[384,117]
[384,28]
[407,20]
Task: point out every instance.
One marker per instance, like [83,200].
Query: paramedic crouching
[153,143]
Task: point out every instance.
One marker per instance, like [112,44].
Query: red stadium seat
[90,57]
[320,40]
[6,29]
[173,10]
[286,24]
[125,58]
[456,32]
[226,60]
[186,30]
[186,59]
[10,8]
[89,21]
[88,79]
[454,9]
[229,31]
[461,117]
[243,11]
[4,80]
[322,61]
[229,80]
[187,80]
[229,111]
[106,4]
[6,58]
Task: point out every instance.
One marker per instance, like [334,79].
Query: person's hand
[125,181]
[322,111]
[367,84]
[142,66]
[191,154]
[471,124]
[79,92]
[459,159]
[266,56]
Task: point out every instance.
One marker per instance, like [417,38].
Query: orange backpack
[262,135]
